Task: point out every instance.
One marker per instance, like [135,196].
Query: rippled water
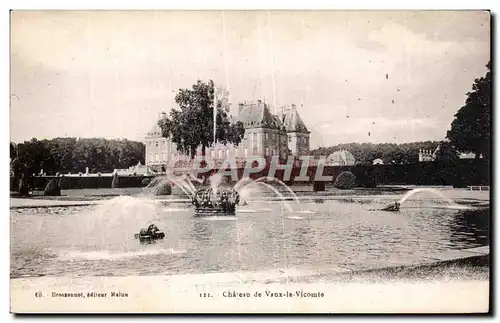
[99,240]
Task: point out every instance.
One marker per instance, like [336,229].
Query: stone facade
[266,135]
[297,133]
[426,155]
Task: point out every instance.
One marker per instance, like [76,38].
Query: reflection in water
[303,238]
[219,243]
[201,231]
[471,226]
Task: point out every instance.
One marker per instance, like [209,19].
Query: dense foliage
[471,129]
[192,126]
[74,155]
[366,153]
[345,180]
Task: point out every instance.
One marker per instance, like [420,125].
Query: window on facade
[274,151]
[164,156]
[289,138]
[157,144]
[212,153]
[255,151]
[267,151]
[254,137]
[267,137]
[220,153]
[246,151]
[157,157]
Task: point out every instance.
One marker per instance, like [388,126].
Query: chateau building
[266,135]
[426,155]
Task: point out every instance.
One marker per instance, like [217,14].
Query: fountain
[218,199]
[426,189]
[395,206]
[162,184]
[152,233]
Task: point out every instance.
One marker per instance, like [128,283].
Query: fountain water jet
[183,183]
[273,189]
[241,182]
[424,189]
[394,206]
[275,180]
[109,226]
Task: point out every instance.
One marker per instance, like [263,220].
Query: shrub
[345,180]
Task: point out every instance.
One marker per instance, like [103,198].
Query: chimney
[294,107]
[259,101]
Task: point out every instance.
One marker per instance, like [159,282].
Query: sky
[355,76]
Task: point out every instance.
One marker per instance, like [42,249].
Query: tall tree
[33,156]
[470,130]
[192,126]
[13,151]
[447,154]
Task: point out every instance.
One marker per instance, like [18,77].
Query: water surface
[99,239]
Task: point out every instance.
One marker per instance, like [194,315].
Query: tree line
[74,155]
[366,153]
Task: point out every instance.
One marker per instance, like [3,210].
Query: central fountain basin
[220,201]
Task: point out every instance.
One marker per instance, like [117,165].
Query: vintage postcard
[250,161]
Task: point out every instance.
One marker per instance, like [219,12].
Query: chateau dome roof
[341,158]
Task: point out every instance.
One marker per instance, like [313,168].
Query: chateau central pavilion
[266,135]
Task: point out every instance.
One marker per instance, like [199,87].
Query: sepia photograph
[250,161]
